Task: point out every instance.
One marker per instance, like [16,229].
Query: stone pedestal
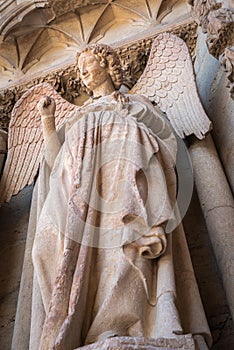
[182,342]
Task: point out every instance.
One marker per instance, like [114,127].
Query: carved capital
[201,10]
[220,31]
[218,23]
[227,60]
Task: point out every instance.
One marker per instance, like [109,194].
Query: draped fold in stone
[103,266]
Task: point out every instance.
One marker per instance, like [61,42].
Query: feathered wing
[25,140]
[169,81]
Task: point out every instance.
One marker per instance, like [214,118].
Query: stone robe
[102,264]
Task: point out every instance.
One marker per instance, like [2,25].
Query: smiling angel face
[100,69]
[92,74]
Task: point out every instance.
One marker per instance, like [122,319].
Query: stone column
[221,113]
[218,207]
[215,97]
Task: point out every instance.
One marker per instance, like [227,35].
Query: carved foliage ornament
[220,31]
[201,9]
[218,23]
[227,60]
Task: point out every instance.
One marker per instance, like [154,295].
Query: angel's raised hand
[25,140]
[46,107]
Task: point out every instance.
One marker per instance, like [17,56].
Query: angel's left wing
[168,80]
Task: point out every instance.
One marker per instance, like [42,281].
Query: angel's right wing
[25,141]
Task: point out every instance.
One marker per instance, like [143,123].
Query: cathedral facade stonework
[39,44]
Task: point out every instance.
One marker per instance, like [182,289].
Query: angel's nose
[84,72]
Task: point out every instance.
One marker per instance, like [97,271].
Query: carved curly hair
[108,59]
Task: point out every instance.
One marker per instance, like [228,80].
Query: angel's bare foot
[46,107]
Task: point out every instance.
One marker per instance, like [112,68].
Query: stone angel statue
[100,270]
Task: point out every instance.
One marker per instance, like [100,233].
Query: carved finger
[41,104]
[47,101]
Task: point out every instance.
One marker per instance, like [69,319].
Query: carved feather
[25,141]
[168,80]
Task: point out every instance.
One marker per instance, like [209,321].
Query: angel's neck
[104,89]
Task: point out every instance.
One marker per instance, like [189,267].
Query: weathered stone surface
[185,342]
